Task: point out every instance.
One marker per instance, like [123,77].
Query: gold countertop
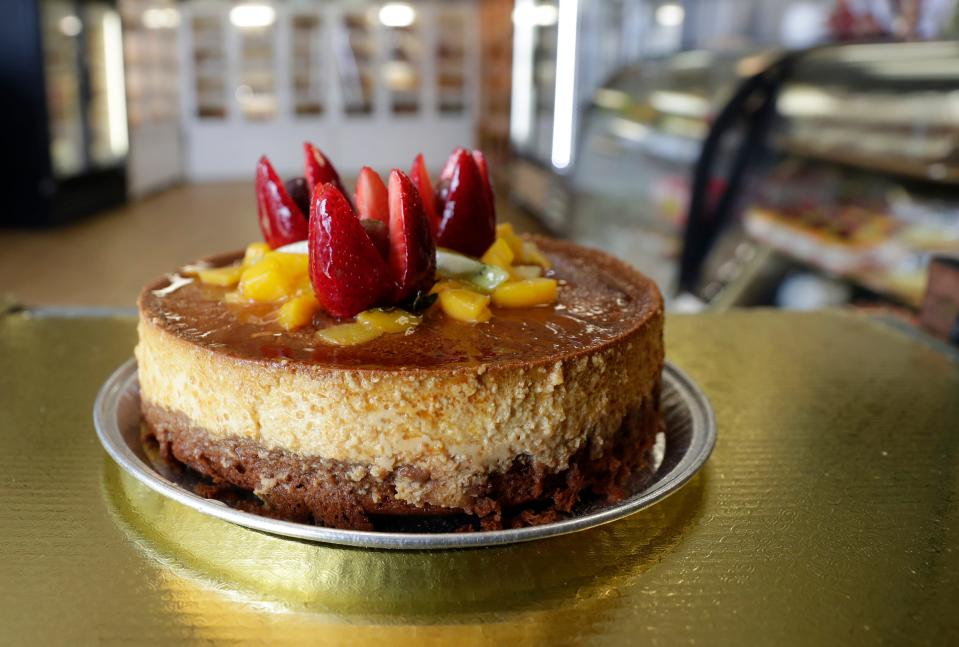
[829,512]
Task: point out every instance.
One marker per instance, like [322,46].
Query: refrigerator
[61,68]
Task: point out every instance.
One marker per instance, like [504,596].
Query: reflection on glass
[209,66]
[61,27]
[306,65]
[256,92]
[450,62]
[107,107]
[355,55]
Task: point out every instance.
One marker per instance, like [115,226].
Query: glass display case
[855,186]
[642,136]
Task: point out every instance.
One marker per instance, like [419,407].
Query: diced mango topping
[532,255]
[265,281]
[506,233]
[523,272]
[498,254]
[298,311]
[526,293]
[465,305]
[223,276]
[389,321]
[275,276]
[348,334]
[254,252]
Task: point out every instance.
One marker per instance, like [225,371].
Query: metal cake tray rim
[689,418]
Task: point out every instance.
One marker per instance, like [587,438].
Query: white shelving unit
[331,73]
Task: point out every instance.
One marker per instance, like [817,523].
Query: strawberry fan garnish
[384,252]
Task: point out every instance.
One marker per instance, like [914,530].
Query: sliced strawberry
[281,221]
[319,170]
[371,200]
[379,234]
[468,224]
[483,167]
[421,179]
[447,173]
[347,273]
[300,191]
[412,251]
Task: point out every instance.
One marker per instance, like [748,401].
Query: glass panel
[450,62]
[107,113]
[355,63]
[256,92]
[61,27]
[209,59]
[307,66]
[401,72]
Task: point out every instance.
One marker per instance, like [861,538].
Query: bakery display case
[563,52]
[360,79]
[152,72]
[642,135]
[849,192]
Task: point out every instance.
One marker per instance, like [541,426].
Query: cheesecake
[499,395]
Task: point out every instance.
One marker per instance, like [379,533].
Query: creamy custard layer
[457,418]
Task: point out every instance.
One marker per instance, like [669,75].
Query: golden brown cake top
[601,300]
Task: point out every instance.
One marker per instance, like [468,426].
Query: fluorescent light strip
[116,90]
[564,104]
[522,92]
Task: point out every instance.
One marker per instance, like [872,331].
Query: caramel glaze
[601,300]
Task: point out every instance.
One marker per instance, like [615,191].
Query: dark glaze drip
[600,300]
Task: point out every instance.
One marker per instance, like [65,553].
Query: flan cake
[504,394]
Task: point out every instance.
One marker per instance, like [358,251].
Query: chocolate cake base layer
[285,485]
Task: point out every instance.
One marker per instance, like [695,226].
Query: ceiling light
[670,15]
[397,14]
[70,26]
[249,16]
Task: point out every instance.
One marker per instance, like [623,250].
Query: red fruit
[347,273]
[447,173]
[412,251]
[371,200]
[319,170]
[421,179]
[483,167]
[379,234]
[281,221]
[468,224]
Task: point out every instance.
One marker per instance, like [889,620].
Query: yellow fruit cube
[389,321]
[523,294]
[531,254]
[233,296]
[498,254]
[465,305]
[302,285]
[298,311]
[348,334]
[505,231]
[265,281]
[254,252]
[291,264]
[223,276]
[523,272]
